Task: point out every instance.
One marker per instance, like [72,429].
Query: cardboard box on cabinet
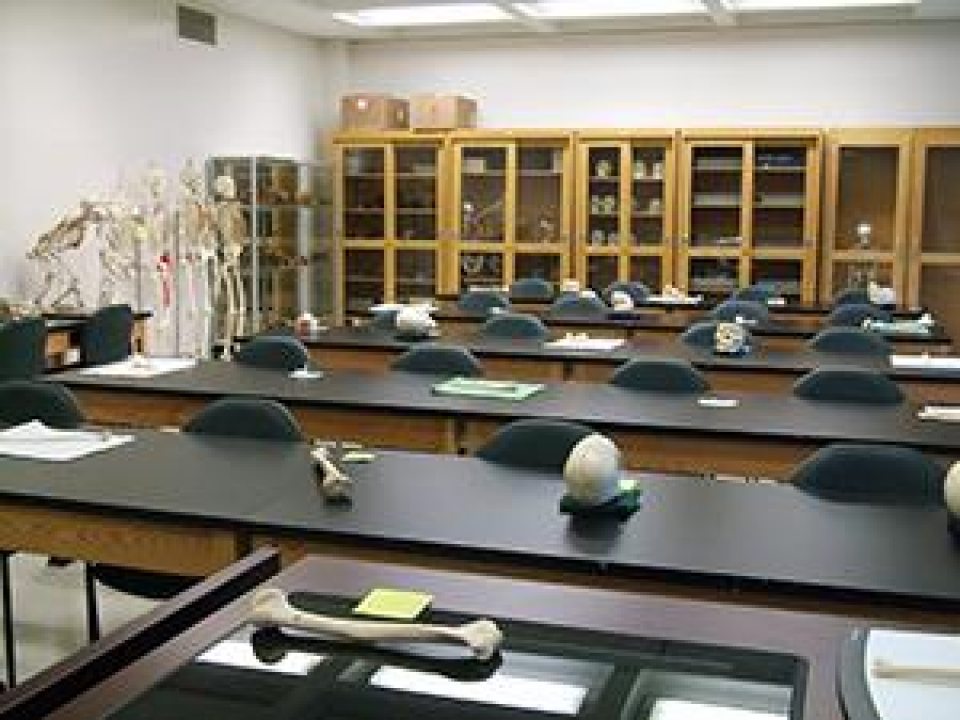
[373,111]
[442,112]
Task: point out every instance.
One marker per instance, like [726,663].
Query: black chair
[853,315]
[482,301]
[871,474]
[23,348]
[851,296]
[637,291]
[848,385]
[107,335]
[514,326]
[578,306]
[666,375]
[850,341]
[753,293]
[534,444]
[22,401]
[437,359]
[254,418]
[750,310]
[273,352]
[702,335]
[531,290]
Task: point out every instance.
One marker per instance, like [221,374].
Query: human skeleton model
[232,229]
[197,235]
[157,253]
[60,285]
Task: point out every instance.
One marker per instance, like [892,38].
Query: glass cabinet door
[540,195]
[416,275]
[779,196]
[601,271]
[940,229]
[364,194]
[648,168]
[481,270]
[483,194]
[867,198]
[364,278]
[416,191]
[602,198]
[716,196]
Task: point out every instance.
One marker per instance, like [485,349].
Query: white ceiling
[314,18]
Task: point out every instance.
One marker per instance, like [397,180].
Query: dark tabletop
[688,530]
[785,361]
[602,406]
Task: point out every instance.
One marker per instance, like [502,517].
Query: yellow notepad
[393,604]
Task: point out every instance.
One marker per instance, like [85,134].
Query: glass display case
[750,212]
[287,266]
[865,217]
[512,200]
[390,221]
[625,207]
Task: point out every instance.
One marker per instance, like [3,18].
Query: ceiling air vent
[193,24]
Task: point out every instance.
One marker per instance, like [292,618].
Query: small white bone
[270,607]
[887,669]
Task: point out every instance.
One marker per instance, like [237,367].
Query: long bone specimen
[270,607]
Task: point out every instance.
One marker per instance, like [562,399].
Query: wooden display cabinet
[511,208]
[933,274]
[865,215]
[625,207]
[390,217]
[749,204]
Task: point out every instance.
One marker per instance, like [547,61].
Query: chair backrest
[853,315]
[274,352]
[256,418]
[438,359]
[872,474]
[578,306]
[755,293]
[851,296]
[848,385]
[514,325]
[702,335]
[730,310]
[51,404]
[667,375]
[531,290]
[106,336]
[850,341]
[23,348]
[385,320]
[534,444]
[482,301]
[637,291]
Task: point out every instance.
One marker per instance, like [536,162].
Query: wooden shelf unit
[625,207]
[749,210]
[867,183]
[390,217]
[511,210]
[933,270]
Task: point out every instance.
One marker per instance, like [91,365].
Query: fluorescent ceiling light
[749,5]
[563,9]
[412,15]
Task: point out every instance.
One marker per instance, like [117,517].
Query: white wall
[94,89]
[814,76]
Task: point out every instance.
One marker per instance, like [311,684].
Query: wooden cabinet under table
[390,217]
[933,274]
[625,207]
[866,210]
[749,205]
[512,209]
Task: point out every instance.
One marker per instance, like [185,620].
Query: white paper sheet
[912,699]
[594,344]
[944,413]
[141,367]
[35,441]
[682,300]
[935,362]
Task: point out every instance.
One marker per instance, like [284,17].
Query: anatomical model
[232,228]
[197,261]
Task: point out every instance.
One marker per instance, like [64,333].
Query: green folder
[490,389]
[901,327]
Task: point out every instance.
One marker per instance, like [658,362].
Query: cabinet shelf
[604,178]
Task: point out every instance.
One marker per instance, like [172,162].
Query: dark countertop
[602,406]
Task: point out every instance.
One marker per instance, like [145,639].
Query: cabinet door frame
[836,140]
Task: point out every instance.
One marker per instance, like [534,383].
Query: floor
[50,614]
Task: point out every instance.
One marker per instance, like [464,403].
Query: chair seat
[142,583]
